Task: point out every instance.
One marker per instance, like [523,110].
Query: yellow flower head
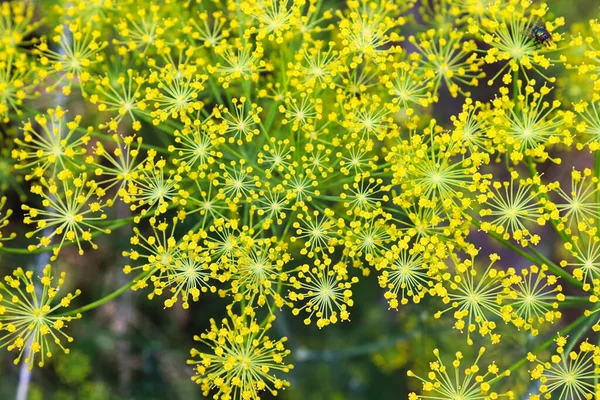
[29,318]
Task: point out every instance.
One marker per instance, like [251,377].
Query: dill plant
[273,155]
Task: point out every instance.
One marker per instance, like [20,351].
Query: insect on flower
[541,35]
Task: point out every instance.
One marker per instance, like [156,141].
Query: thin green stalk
[101,135]
[516,89]
[106,298]
[597,175]
[541,347]
[273,110]
[580,332]
[557,269]
[565,238]
[330,355]
[15,250]
[597,375]
[114,225]
[575,300]
[536,257]
[508,244]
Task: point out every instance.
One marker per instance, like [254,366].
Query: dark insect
[541,35]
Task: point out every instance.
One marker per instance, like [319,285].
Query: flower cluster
[29,319]
[270,156]
[243,361]
[571,374]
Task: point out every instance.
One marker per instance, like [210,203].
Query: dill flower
[4,220]
[572,375]
[242,121]
[9,178]
[191,271]
[592,45]
[475,9]
[476,297]
[302,113]
[207,200]
[79,48]
[319,66]
[153,187]
[120,97]
[440,14]
[302,186]
[225,240]
[536,124]
[324,289]
[572,87]
[208,31]
[238,183]
[272,204]
[100,12]
[355,159]
[579,207]
[17,83]
[365,194]
[54,147]
[143,30]
[439,173]
[409,86]
[370,28]
[243,361]
[16,25]
[407,277]
[238,61]
[446,57]
[317,231]
[275,19]
[471,126]
[356,83]
[368,237]
[474,385]
[28,318]
[506,27]
[174,89]
[432,228]
[533,298]
[258,271]
[512,205]
[588,123]
[116,167]
[277,155]
[585,249]
[197,146]
[72,209]
[157,253]
[368,118]
[182,267]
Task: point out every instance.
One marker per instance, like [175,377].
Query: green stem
[536,258]
[516,89]
[557,269]
[574,300]
[15,250]
[115,225]
[564,237]
[575,338]
[597,175]
[106,298]
[508,244]
[100,135]
[541,347]
[330,355]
